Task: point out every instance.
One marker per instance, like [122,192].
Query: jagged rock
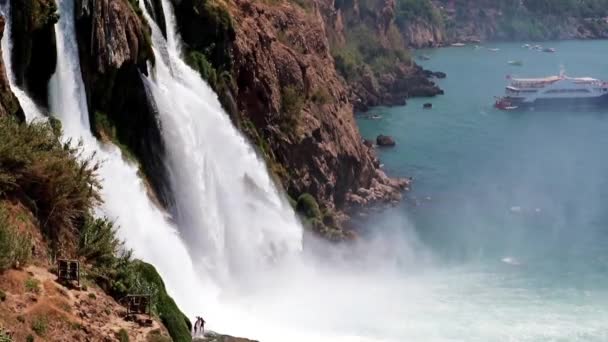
[33,54]
[9,105]
[114,46]
[282,47]
[396,80]
[385,140]
[439,74]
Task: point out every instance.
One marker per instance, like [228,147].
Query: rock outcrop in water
[9,105]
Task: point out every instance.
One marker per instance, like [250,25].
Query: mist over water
[517,200]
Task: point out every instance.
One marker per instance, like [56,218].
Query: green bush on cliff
[114,269]
[412,10]
[98,242]
[59,185]
[199,62]
[163,305]
[15,247]
[56,182]
[4,336]
[292,103]
[106,129]
[308,206]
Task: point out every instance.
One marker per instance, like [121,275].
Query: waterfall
[143,226]
[30,109]
[228,209]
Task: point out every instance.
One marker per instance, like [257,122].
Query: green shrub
[15,247]
[199,62]
[29,338]
[2,296]
[104,125]
[59,181]
[40,325]
[122,335]
[348,62]
[32,285]
[308,206]
[98,242]
[4,336]
[292,103]
[174,320]
[321,96]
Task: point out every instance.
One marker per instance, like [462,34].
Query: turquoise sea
[512,206]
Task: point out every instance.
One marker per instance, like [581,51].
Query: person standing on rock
[199,326]
[202,326]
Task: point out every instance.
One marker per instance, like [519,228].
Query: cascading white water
[142,225]
[30,109]
[235,222]
[234,219]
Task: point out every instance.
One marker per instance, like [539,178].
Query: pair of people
[199,326]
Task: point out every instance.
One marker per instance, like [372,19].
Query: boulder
[427,105]
[385,141]
[440,74]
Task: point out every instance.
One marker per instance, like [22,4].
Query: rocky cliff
[115,48]
[370,53]
[33,55]
[290,97]
[428,23]
[9,105]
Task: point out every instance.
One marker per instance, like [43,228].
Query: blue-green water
[513,206]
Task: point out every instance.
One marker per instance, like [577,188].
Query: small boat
[477,47]
[537,47]
[551,50]
[526,46]
[459,44]
[515,63]
[494,49]
[424,57]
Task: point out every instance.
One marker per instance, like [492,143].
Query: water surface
[512,205]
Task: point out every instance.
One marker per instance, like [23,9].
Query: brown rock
[385,140]
[282,47]
[9,105]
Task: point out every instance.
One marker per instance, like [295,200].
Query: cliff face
[289,89]
[370,52]
[427,23]
[271,64]
[115,47]
[9,105]
[33,55]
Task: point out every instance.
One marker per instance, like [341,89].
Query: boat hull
[583,103]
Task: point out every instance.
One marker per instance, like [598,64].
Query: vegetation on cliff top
[59,186]
[527,19]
